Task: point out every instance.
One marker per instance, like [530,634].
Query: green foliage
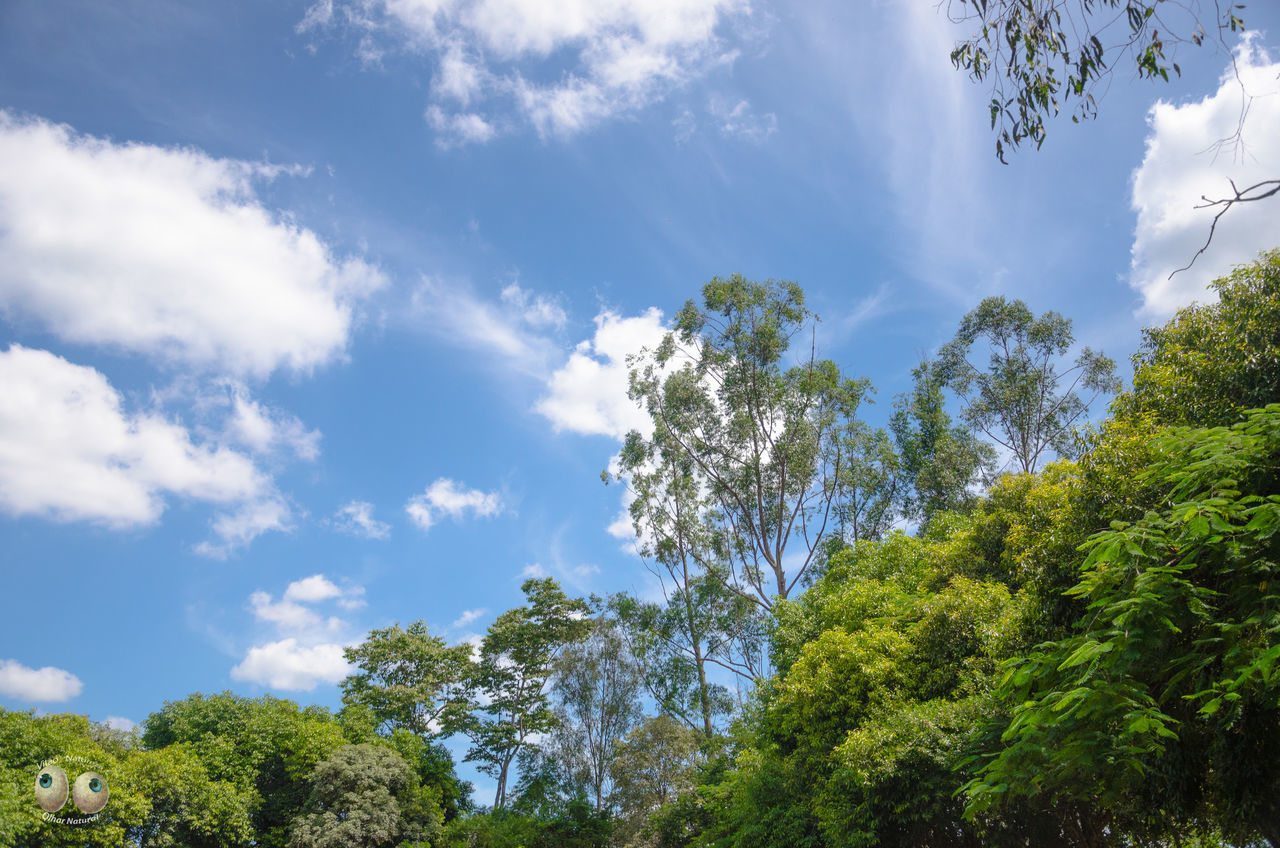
[516,662]
[410,679]
[884,674]
[1038,56]
[366,796]
[1176,661]
[653,766]
[940,462]
[27,741]
[188,807]
[597,690]
[764,445]
[265,748]
[1016,399]
[1212,361]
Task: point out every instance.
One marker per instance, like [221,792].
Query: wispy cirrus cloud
[356,519]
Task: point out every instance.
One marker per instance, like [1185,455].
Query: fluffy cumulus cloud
[560,67]
[1187,159]
[40,685]
[128,725]
[588,394]
[167,252]
[356,519]
[444,497]
[307,650]
[70,451]
[288,664]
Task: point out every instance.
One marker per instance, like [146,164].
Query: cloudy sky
[314,314]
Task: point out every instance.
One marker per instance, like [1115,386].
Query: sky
[314,315]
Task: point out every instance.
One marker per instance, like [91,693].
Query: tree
[188,807]
[1016,400]
[762,443]
[870,485]
[597,687]
[410,679]
[940,463]
[1212,361]
[264,747]
[365,796]
[651,767]
[517,659]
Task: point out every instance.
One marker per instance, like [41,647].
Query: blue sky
[312,315]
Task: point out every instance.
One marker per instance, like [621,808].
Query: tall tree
[597,689]
[1017,399]
[410,679]
[699,623]
[764,441]
[940,462]
[517,659]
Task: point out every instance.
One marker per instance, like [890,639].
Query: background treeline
[927,634]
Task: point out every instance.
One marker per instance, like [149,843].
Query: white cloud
[356,518]
[1184,162]
[310,650]
[459,129]
[467,617]
[534,571]
[240,527]
[563,67]
[166,252]
[444,497]
[37,684]
[263,429]
[317,587]
[285,614]
[741,121]
[69,452]
[507,330]
[120,723]
[287,664]
[537,310]
[588,394]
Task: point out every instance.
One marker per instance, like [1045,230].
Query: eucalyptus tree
[510,680]
[940,462]
[699,624]
[1017,398]
[762,440]
[597,687]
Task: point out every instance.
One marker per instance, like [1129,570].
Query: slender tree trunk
[500,799]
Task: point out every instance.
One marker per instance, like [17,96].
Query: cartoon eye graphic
[90,792]
[51,789]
